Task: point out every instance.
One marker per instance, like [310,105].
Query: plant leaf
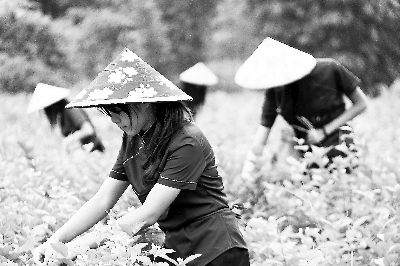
[190,258]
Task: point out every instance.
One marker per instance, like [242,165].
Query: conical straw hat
[45,95]
[274,64]
[199,74]
[128,79]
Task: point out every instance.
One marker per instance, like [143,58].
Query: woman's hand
[45,254]
[315,136]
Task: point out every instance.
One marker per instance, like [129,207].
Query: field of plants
[291,215]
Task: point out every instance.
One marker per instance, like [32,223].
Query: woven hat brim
[274,64]
[124,101]
[128,79]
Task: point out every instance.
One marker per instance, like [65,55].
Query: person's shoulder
[189,133]
[326,62]
[325,66]
[191,130]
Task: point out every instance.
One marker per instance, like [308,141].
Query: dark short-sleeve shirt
[198,220]
[72,120]
[317,97]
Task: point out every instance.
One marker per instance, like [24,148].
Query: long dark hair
[53,111]
[169,118]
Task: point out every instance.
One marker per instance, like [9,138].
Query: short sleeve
[269,114]
[184,166]
[118,171]
[346,80]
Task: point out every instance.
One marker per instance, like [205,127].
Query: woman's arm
[260,139]
[255,152]
[85,130]
[359,104]
[87,216]
[157,202]
[92,211]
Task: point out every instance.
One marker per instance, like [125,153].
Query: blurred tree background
[66,42]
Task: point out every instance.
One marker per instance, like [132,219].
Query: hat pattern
[128,79]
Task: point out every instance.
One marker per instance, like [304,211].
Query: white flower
[100,94]
[81,94]
[130,71]
[129,56]
[142,92]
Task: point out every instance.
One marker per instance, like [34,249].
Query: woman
[74,124]
[166,160]
[195,82]
[307,92]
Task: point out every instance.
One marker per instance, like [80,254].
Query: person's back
[73,120]
[307,92]
[198,93]
[74,125]
[312,101]
[195,82]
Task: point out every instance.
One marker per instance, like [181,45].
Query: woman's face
[140,118]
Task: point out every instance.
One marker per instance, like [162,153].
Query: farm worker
[307,92]
[74,124]
[194,82]
[166,160]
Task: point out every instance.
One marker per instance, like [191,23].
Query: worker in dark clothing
[74,124]
[307,92]
[195,81]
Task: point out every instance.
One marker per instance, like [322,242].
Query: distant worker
[194,81]
[307,92]
[74,124]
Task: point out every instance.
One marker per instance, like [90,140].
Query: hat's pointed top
[45,95]
[199,74]
[128,79]
[274,64]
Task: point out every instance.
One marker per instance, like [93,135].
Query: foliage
[293,215]
[234,33]
[98,34]
[35,58]
[301,216]
[72,41]
[116,247]
[339,215]
[56,8]
[188,24]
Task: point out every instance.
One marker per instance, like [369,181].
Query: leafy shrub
[29,52]
[19,74]
[294,216]
[332,215]
[100,34]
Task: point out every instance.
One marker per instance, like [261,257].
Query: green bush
[19,74]
[295,216]
[29,52]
